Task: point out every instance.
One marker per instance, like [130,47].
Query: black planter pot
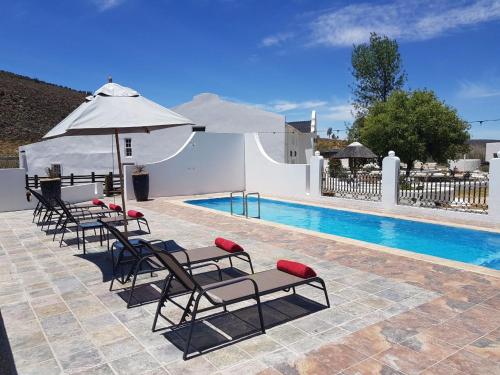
[141,186]
[51,188]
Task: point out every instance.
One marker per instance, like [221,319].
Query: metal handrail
[231,195]
[246,204]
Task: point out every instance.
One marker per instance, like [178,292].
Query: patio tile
[487,346]
[49,367]
[286,334]
[329,359]
[252,367]
[370,367]
[82,360]
[98,370]
[259,345]
[120,348]
[32,355]
[137,363]
[195,366]
[226,357]
[471,364]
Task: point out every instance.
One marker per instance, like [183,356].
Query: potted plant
[51,185]
[140,180]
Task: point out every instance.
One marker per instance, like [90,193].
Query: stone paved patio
[389,315]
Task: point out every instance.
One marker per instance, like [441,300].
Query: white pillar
[494,189]
[315,175]
[390,180]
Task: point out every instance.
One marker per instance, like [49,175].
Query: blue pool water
[465,245]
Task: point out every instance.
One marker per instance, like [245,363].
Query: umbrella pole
[122,191]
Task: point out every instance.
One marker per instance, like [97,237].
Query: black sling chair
[225,293]
[138,255]
[81,225]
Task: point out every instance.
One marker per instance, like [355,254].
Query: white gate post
[390,180]
[315,174]
[494,190]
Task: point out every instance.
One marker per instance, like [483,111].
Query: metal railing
[113,181]
[244,197]
[458,193]
[362,186]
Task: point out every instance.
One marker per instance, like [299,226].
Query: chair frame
[178,273]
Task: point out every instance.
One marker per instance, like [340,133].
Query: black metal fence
[464,193]
[9,161]
[110,181]
[362,186]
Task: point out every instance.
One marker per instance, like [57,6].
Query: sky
[287,56]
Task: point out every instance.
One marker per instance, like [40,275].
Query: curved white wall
[266,176]
[207,163]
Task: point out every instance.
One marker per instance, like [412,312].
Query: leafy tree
[329,132]
[417,126]
[378,70]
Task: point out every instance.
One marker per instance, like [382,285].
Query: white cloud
[339,112]
[103,5]
[471,90]
[401,19]
[285,105]
[274,40]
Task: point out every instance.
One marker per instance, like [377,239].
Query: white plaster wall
[266,176]
[491,148]
[207,163]
[13,192]
[465,165]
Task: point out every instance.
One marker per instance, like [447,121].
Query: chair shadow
[149,292]
[228,328]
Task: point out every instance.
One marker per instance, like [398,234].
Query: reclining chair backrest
[66,211]
[121,238]
[181,275]
[41,199]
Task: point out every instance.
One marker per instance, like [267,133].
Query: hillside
[29,108]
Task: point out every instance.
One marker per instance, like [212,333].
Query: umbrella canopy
[355,151]
[116,107]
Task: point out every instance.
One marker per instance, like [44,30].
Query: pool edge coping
[390,250]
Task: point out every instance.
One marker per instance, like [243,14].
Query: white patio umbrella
[114,109]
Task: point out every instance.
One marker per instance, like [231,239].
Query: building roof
[301,126]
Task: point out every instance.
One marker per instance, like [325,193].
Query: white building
[86,154]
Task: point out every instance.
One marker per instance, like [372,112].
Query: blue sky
[287,56]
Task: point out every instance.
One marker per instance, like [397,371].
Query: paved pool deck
[390,314]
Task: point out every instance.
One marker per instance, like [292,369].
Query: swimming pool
[464,245]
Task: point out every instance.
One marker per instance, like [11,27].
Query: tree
[377,68]
[329,133]
[417,126]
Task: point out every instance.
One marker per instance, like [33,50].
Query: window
[198,128]
[295,153]
[291,153]
[128,147]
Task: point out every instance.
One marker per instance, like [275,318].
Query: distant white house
[84,154]
[492,149]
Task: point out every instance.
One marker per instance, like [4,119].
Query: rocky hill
[29,108]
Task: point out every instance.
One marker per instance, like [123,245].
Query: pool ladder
[245,196]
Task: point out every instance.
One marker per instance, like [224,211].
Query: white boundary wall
[13,193]
[207,163]
[266,176]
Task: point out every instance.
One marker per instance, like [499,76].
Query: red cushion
[228,245]
[115,207]
[295,268]
[135,214]
[98,202]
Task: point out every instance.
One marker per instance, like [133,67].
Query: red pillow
[295,268]
[227,245]
[98,202]
[135,214]
[115,207]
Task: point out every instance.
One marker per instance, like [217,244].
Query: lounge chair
[225,293]
[132,215]
[81,225]
[138,255]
